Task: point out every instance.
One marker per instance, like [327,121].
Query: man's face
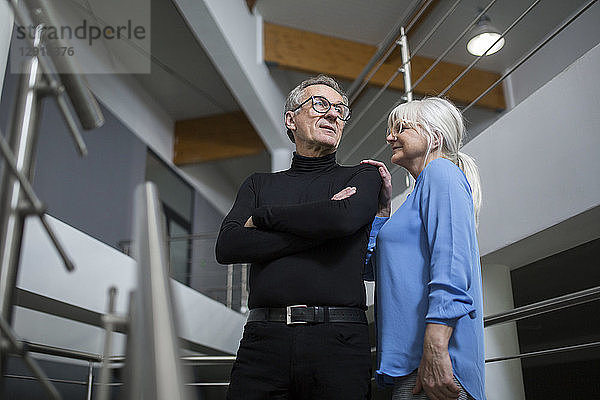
[316,133]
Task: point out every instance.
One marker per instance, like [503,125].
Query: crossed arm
[285,230]
[327,219]
[237,243]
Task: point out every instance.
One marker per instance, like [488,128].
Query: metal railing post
[385,48]
[405,65]
[153,367]
[229,285]
[90,381]
[108,320]
[23,139]
[244,289]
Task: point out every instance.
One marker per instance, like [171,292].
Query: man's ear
[290,122]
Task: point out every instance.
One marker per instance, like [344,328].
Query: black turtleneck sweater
[308,249]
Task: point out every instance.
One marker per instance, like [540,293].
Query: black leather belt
[301,314]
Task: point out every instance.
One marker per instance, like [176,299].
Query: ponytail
[468,166]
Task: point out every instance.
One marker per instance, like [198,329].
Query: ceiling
[186,84]
[184,81]
[377,18]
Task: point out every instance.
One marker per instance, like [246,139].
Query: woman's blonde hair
[440,119]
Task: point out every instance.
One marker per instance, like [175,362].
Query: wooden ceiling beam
[215,137]
[310,52]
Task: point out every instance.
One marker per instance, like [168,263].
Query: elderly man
[306,336]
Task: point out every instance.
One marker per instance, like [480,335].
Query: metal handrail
[542,307]
[61,352]
[225,359]
[85,383]
[545,352]
[208,235]
[209,358]
[33,378]
[530,310]
[535,353]
[193,359]
[97,358]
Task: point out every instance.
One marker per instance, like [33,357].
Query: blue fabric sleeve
[447,214]
[368,274]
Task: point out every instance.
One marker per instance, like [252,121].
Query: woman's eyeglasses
[399,127]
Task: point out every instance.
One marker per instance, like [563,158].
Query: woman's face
[409,146]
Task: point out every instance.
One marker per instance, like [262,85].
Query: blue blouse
[425,261]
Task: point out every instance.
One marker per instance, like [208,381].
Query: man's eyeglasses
[321,105]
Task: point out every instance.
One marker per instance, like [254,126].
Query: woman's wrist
[437,337]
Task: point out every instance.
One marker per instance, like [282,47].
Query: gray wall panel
[95,193]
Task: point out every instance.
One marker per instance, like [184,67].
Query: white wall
[539,163]
[504,379]
[98,267]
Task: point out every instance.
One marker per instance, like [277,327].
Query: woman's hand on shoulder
[385,194]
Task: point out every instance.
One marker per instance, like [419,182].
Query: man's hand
[435,374]
[385,194]
[249,223]
[344,193]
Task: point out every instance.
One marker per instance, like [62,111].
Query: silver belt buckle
[288,315]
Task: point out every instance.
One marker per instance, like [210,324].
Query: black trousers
[327,361]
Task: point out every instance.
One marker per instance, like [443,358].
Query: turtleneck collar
[301,164]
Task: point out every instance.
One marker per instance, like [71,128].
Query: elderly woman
[426,261]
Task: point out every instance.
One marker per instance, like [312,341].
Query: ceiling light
[482,37]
